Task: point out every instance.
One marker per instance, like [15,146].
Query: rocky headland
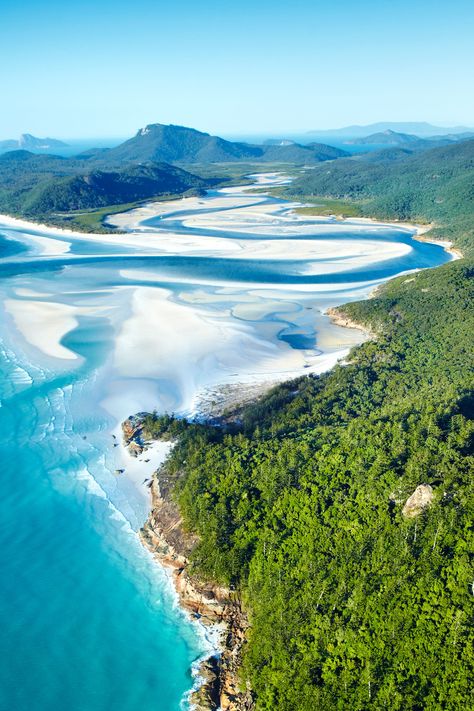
[212,604]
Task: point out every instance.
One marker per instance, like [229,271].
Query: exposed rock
[132,431]
[165,536]
[135,448]
[420,500]
[207,696]
[339,318]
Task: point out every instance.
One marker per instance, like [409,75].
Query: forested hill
[38,185]
[175,144]
[352,604]
[435,186]
[355,600]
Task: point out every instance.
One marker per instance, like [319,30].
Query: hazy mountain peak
[29,142]
[417,128]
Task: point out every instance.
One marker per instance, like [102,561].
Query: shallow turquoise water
[89,622]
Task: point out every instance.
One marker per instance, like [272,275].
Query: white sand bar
[44,324]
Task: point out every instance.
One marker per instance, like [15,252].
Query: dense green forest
[42,185]
[430,186]
[299,504]
[351,604]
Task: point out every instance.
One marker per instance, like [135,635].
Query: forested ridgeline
[35,186]
[435,185]
[355,602]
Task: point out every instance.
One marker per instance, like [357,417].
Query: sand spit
[44,324]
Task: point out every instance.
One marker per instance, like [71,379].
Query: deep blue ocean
[89,622]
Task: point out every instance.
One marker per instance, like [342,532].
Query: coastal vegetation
[299,502]
[94,220]
[58,190]
[100,188]
[326,206]
[431,186]
[351,604]
[323,206]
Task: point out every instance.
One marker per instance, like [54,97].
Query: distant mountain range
[31,143]
[418,128]
[407,140]
[389,138]
[396,144]
[158,161]
[179,144]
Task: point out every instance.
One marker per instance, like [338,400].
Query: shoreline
[420,230]
[337,317]
[447,245]
[217,608]
[21,222]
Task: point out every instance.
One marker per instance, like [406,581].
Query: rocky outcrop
[132,431]
[207,696]
[166,538]
[340,319]
[419,501]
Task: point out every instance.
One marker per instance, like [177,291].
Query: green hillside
[99,188]
[352,605]
[40,186]
[179,144]
[433,186]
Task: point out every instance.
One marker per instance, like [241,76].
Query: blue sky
[106,68]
